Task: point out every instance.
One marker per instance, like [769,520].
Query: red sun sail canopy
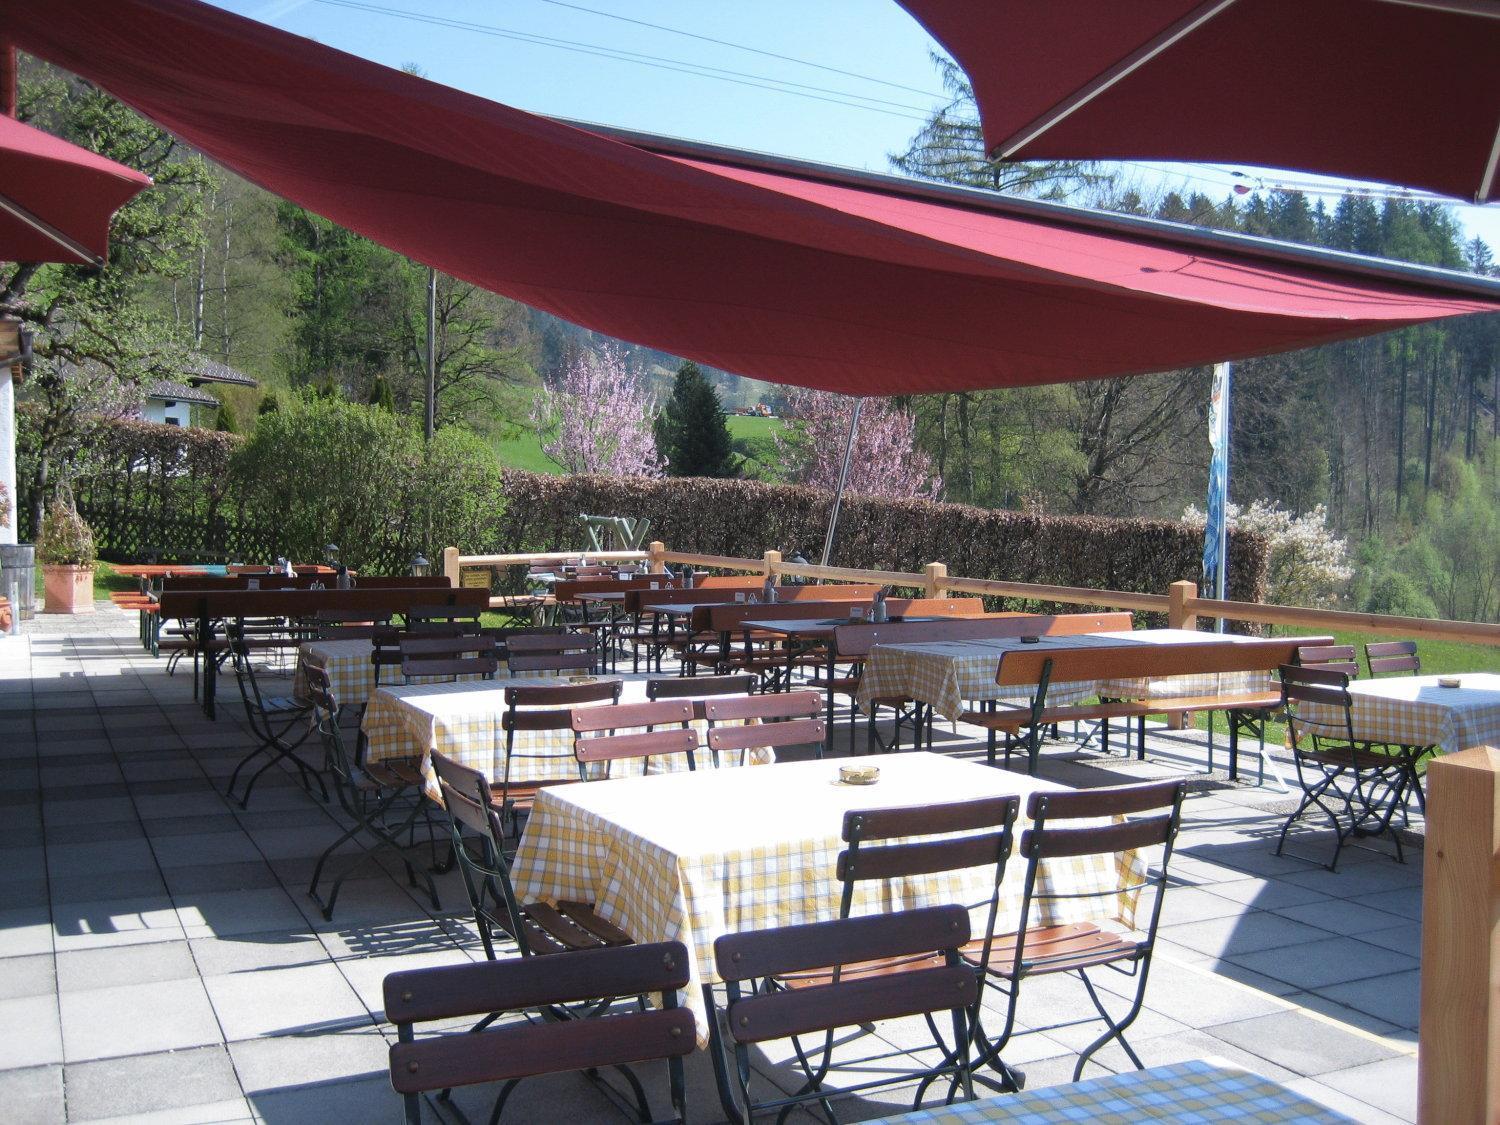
[768,269]
[1403,91]
[56,199]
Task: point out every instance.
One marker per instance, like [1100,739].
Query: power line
[655,62]
[741,47]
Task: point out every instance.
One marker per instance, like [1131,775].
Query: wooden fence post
[937,575]
[450,565]
[654,555]
[1458,1075]
[1178,614]
[773,564]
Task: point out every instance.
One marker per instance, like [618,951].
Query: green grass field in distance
[522,449]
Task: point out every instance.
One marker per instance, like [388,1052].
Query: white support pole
[431,353]
[838,497]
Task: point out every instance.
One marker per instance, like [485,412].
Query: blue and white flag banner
[1215,530]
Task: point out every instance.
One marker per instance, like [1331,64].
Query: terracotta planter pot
[6,619]
[69,589]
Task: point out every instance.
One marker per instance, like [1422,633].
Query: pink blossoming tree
[598,418]
[886,461]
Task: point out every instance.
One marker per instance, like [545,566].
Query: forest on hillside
[1394,441]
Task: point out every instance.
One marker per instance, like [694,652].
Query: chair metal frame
[538,929]
[543,707]
[758,1016]
[384,800]
[554,1041]
[1341,768]
[271,719]
[1081,946]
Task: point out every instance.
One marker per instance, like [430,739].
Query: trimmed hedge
[182,494]
[746,518]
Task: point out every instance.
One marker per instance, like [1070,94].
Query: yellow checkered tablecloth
[1197,1092]
[1415,711]
[691,857]
[463,721]
[950,674]
[351,673]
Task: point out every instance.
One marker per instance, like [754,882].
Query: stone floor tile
[365,1100]
[366,975]
[301,1060]
[189,881]
[136,1085]
[32,975]
[1390,1085]
[1364,879]
[1405,938]
[85,969]
[137,1019]
[68,890]
[247,952]
[1406,902]
[32,1032]
[33,1095]
[89,811]
[22,864]
[131,921]
[297,1000]
[1340,1102]
[230,1111]
[234,912]
[1319,964]
[1395,997]
[100,859]
[1340,916]
[25,931]
[1243,933]
[1301,1043]
[231,846]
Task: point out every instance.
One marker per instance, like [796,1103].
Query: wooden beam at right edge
[1459,1062]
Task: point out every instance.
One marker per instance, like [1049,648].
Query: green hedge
[746,518]
[330,472]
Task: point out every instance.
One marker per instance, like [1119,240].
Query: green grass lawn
[522,449]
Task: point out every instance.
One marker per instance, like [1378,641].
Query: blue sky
[878,55]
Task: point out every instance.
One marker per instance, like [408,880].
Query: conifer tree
[691,431]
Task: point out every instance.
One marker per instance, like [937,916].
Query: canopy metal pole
[838,497]
[431,352]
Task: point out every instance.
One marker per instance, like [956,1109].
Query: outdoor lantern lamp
[419,565]
[331,553]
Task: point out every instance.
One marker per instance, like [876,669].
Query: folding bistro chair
[1329,658]
[943,984]
[1345,778]
[537,928]
[441,618]
[271,718]
[698,689]
[888,846]
[597,745]
[530,653]
[424,657]
[1387,658]
[541,1043]
[535,710]
[1040,946]
[750,722]
[383,798]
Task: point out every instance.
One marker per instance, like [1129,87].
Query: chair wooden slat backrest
[1393,658]
[1329,657]
[771,720]
[465,655]
[549,652]
[853,642]
[525,1049]
[698,689]
[590,746]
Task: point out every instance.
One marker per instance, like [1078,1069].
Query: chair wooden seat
[1053,949]
[882,967]
[395,772]
[1013,719]
[521,796]
[568,926]
[1360,758]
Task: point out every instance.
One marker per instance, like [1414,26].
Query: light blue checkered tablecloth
[1198,1092]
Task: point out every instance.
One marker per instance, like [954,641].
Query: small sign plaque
[474,579]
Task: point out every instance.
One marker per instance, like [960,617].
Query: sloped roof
[202,369]
[180,392]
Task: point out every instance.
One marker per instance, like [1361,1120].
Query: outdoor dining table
[1184,1093]
[463,721]
[1418,711]
[350,669]
[691,857]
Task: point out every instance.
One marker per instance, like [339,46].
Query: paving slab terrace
[160,959]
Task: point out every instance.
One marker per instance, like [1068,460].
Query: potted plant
[65,550]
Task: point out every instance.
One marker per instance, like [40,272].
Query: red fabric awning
[783,273]
[1394,90]
[56,199]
